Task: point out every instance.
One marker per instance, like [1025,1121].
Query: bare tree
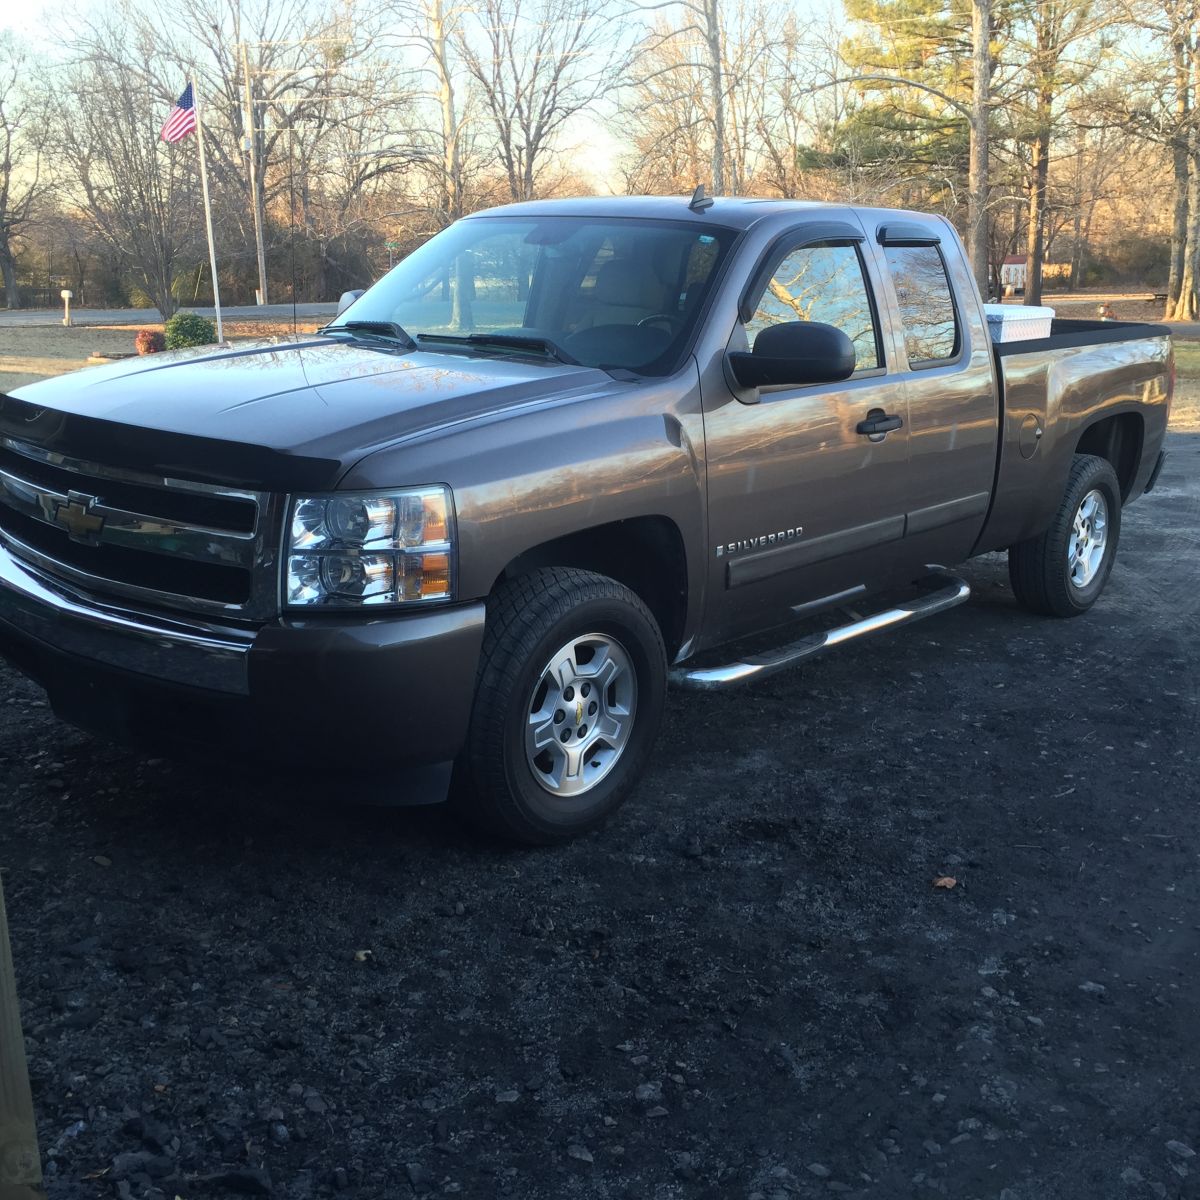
[265,69]
[537,63]
[1157,99]
[441,28]
[1056,32]
[1179,16]
[426,35]
[685,65]
[23,176]
[667,119]
[138,194]
[1188,305]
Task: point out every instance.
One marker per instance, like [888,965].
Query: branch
[957,105]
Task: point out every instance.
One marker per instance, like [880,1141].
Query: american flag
[182,118]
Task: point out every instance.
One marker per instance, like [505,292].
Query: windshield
[604,293]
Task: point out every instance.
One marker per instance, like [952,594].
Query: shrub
[150,341]
[189,329]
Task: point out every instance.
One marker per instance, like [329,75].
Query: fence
[20,1166]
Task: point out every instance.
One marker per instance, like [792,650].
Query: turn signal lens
[426,577]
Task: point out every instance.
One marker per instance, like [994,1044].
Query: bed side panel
[1062,391]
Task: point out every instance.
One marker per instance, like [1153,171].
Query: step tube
[950,592]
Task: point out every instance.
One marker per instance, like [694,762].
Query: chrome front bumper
[384,693]
[185,653]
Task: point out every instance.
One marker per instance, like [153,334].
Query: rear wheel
[1062,572]
[570,694]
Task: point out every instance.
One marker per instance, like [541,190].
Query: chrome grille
[173,543]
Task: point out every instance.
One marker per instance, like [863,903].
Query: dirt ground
[745,987]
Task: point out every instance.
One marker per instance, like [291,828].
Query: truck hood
[275,415]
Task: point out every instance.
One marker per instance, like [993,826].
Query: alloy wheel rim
[580,715]
[1088,541]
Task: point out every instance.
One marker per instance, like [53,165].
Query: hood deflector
[153,451]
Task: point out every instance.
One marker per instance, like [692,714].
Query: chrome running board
[950,592]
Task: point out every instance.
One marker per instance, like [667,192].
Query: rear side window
[821,283]
[926,304]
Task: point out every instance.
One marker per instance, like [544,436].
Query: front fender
[524,478]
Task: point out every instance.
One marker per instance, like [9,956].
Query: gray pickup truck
[562,455]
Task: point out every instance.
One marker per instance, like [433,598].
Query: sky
[589,145]
[32,20]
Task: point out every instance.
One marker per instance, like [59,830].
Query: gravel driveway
[746,986]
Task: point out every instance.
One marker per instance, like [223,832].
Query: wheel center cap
[578,711]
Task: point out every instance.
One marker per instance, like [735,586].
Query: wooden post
[20,1164]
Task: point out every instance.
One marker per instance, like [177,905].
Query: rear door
[945,361]
[803,506]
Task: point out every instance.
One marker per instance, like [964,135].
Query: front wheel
[571,688]
[1062,572]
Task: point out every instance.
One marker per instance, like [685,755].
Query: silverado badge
[760,542]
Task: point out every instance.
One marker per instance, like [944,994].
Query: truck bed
[1068,333]
[1049,389]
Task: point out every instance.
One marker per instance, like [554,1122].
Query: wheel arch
[646,554]
[1119,439]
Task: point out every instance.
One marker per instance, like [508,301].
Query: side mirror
[795,352]
[348,298]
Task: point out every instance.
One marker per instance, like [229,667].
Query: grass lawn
[29,353]
[1187,360]
[1185,412]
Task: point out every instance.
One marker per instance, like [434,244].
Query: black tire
[1040,568]
[529,620]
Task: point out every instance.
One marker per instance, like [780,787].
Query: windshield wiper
[388,329]
[517,341]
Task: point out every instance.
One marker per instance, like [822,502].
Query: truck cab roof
[732,212]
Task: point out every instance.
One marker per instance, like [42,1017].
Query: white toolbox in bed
[1017,322]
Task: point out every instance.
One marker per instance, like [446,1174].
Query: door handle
[878,423]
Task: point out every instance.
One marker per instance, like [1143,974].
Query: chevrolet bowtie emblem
[78,519]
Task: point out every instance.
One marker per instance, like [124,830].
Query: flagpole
[212,249]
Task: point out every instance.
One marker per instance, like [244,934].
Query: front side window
[607,293]
[822,283]
[926,305]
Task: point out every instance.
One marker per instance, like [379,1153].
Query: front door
[802,505]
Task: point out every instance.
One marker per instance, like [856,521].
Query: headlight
[354,549]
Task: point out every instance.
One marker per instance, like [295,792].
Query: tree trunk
[1039,171]
[451,198]
[716,72]
[1077,255]
[1045,64]
[1179,230]
[977,185]
[1188,306]
[257,173]
[1077,215]
[160,291]
[1179,155]
[8,268]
